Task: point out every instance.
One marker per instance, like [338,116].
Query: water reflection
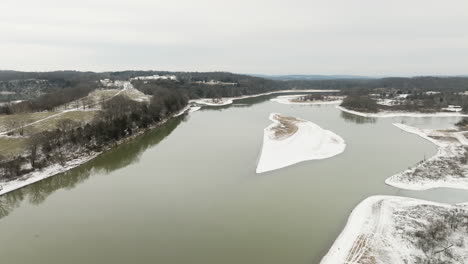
[112,160]
[357,119]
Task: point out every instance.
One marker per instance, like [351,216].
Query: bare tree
[34,144]
[66,124]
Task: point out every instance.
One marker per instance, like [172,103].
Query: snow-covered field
[448,168]
[402,114]
[290,99]
[229,100]
[390,229]
[306,141]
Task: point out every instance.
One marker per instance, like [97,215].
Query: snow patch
[155,77]
[194,109]
[390,229]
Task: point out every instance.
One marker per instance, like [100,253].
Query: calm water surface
[188,193]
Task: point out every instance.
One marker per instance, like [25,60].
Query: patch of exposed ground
[12,146]
[285,127]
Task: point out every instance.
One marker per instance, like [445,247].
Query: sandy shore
[291,140]
[229,100]
[390,229]
[402,114]
[445,169]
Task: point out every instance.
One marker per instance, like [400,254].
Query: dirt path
[362,245]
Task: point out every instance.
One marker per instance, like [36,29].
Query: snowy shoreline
[402,114]
[450,147]
[287,99]
[381,229]
[229,100]
[307,142]
[45,173]
[52,170]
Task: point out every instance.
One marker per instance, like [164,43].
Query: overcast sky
[363,37]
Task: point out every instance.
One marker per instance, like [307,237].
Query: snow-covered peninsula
[390,229]
[290,140]
[448,168]
[402,114]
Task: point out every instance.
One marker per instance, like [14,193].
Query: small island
[290,140]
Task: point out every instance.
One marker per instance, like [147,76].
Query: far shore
[403,114]
[229,100]
[292,100]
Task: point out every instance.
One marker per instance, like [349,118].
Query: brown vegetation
[286,126]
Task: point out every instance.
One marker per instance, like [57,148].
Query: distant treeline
[361,103]
[119,118]
[405,85]
[65,86]
[415,102]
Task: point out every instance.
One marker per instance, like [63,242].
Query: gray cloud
[366,37]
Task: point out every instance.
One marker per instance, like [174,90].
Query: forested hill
[195,84]
[46,90]
[73,84]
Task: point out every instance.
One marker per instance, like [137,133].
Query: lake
[188,192]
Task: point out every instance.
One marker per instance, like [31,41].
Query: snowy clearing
[448,168]
[390,229]
[291,140]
